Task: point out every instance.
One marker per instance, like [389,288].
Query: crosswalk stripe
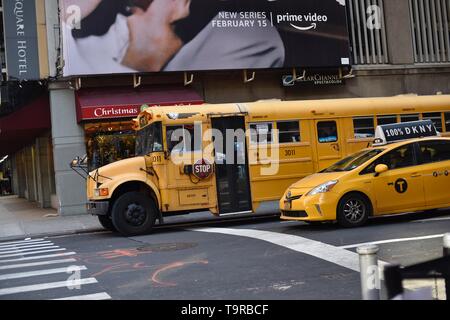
[30,274]
[29,253]
[36,264]
[39,257]
[95,296]
[19,242]
[46,286]
[26,250]
[34,245]
[326,252]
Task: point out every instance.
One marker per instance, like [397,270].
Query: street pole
[370,274]
[446,244]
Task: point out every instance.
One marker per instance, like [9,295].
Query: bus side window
[447,121]
[436,118]
[289,131]
[261,132]
[364,127]
[327,131]
[388,119]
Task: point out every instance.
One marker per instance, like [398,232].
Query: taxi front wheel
[353,210]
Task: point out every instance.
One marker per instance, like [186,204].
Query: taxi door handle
[416,175]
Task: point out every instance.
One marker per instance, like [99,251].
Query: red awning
[20,128]
[126,102]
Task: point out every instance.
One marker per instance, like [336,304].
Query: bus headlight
[323,188]
[103,192]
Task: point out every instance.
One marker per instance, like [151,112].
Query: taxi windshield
[354,161]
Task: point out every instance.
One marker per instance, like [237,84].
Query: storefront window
[108,144]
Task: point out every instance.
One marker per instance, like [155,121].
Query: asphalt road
[255,259]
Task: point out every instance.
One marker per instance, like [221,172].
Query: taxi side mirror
[381,168]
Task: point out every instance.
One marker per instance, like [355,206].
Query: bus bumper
[97,208]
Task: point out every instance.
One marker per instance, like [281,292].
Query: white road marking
[20,242]
[393,241]
[95,296]
[28,249]
[30,274]
[35,264]
[326,252]
[46,286]
[29,253]
[20,246]
[432,219]
[39,257]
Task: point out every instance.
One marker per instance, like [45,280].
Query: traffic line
[28,249]
[29,253]
[352,246]
[39,257]
[431,219]
[326,252]
[47,286]
[95,296]
[23,246]
[20,242]
[37,264]
[30,274]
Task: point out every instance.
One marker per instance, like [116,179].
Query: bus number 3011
[289,153]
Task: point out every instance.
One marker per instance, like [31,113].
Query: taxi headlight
[323,188]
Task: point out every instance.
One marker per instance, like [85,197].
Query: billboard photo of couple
[138,36]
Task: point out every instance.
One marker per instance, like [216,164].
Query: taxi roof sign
[397,132]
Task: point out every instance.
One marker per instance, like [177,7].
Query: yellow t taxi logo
[401,186]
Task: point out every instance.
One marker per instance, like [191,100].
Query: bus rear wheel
[134,213]
[353,211]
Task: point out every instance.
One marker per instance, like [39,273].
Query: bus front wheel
[134,213]
[107,223]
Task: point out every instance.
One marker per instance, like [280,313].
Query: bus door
[232,171]
[329,143]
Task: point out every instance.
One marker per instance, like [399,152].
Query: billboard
[129,36]
[21,39]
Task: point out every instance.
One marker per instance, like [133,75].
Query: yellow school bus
[229,158]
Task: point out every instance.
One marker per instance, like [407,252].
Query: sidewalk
[21,219]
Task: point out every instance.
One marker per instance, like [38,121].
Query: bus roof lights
[397,132]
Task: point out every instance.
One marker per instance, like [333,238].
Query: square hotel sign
[129,36]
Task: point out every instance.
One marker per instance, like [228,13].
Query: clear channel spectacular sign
[129,36]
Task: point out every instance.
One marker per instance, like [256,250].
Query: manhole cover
[162,247]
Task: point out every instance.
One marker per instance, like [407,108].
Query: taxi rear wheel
[353,210]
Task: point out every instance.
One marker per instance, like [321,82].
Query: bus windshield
[354,161]
[149,139]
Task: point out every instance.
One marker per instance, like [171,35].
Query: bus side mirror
[381,168]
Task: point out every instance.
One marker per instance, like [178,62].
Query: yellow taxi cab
[406,170]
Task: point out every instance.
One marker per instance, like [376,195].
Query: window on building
[289,131]
[436,117]
[367,36]
[184,138]
[447,121]
[409,117]
[435,151]
[327,131]
[364,127]
[430,21]
[261,133]
[389,119]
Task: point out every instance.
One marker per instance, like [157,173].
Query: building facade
[396,47]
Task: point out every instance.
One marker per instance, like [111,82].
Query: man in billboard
[125,36]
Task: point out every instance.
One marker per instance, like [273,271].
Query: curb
[52,234]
